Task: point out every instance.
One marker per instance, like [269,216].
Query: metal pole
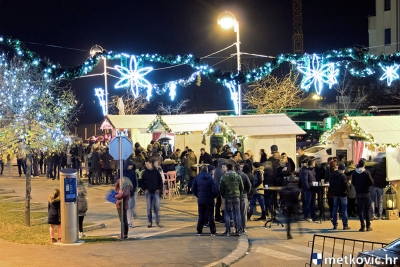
[105,85]
[121,177]
[238,67]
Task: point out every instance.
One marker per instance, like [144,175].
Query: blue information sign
[70,189]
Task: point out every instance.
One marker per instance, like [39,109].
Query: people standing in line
[263,156]
[362,181]
[123,196]
[220,169]
[82,208]
[205,189]
[258,190]
[308,178]
[244,203]
[204,157]
[21,163]
[152,186]
[378,173]
[338,185]
[231,188]
[190,160]
[106,158]
[54,215]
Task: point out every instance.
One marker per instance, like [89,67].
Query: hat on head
[189,150]
[274,148]
[342,167]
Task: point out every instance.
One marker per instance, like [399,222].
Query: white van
[319,151]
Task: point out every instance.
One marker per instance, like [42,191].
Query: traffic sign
[126,147]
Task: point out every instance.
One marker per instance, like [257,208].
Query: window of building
[387,5]
[388,38]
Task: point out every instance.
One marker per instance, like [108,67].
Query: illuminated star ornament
[100,94]
[318,74]
[390,73]
[134,78]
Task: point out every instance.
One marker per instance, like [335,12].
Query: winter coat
[53,208]
[338,184]
[204,188]
[351,190]
[82,204]
[231,185]
[257,186]
[378,173]
[269,177]
[281,173]
[123,194]
[189,162]
[168,165]
[95,162]
[362,180]
[106,157]
[217,175]
[308,177]
[152,181]
[263,158]
[290,195]
[246,183]
[205,158]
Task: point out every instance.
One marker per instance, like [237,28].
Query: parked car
[383,256]
[319,151]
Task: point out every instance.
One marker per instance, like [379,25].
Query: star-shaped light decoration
[318,75]
[390,73]
[234,95]
[100,94]
[134,78]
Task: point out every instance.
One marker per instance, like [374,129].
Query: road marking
[166,231]
[300,248]
[278,254]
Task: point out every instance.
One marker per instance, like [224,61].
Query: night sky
[176,27]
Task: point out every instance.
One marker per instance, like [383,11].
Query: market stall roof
[376,129]
[186,122]
[127,121]
[268,124]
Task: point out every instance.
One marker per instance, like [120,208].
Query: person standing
[263,156]
[231,188]
[290,201]
[220,169]
[307,178]
[339,188]
[82,208]
[123,195]
[205,189]
[152,186]
[95,164]
[258,190]
[244,202]
[106,158]
[204,157]
[190,160]
[378,173]
[54,214]
[362,181]
[21,163]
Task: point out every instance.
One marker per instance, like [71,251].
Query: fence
[336,247]
[86,131]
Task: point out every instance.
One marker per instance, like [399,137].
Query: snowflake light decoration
[172,90]
[234,95]
[318,74]
[134,78]
[100,94]
[390,73]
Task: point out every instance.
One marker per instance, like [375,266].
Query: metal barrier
[336,247]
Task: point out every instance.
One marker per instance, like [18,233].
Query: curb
[234,256]
[6,191]
[94,227]
[14,199]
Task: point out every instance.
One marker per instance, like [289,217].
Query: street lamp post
[227,20]
[94,50]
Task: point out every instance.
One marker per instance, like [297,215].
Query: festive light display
[318,74]
[226,130]
[172,90]
[99,92]
[155,123]
[133,77]
[323,69]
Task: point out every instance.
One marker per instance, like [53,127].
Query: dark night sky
[176,27]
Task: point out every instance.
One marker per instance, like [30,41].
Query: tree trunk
[28,189]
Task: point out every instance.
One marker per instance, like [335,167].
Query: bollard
[69,206]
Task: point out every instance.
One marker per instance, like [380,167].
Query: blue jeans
[131,208]
[260,199]
[309,204]
[153,201]
[232,206]
[376,192]
[244,204]
[343,202]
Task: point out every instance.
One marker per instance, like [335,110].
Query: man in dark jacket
[362,180]
[205,189]
[231,188]
[378,173]
[152,186]
[338,185]
[205,157]
[244,202]
[307,178]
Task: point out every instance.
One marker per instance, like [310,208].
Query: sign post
[121,149]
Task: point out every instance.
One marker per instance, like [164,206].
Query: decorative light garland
[154,124]
[99,92]
[226,130]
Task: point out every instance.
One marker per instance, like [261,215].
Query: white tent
[263,131]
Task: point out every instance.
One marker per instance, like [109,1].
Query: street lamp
[227,20]
[93,51]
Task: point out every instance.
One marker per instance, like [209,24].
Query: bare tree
[131,105]
[35,113]
[273,94]
[180,108]
[350,98]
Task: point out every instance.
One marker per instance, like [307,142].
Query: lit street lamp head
[227,20]
[96,49]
